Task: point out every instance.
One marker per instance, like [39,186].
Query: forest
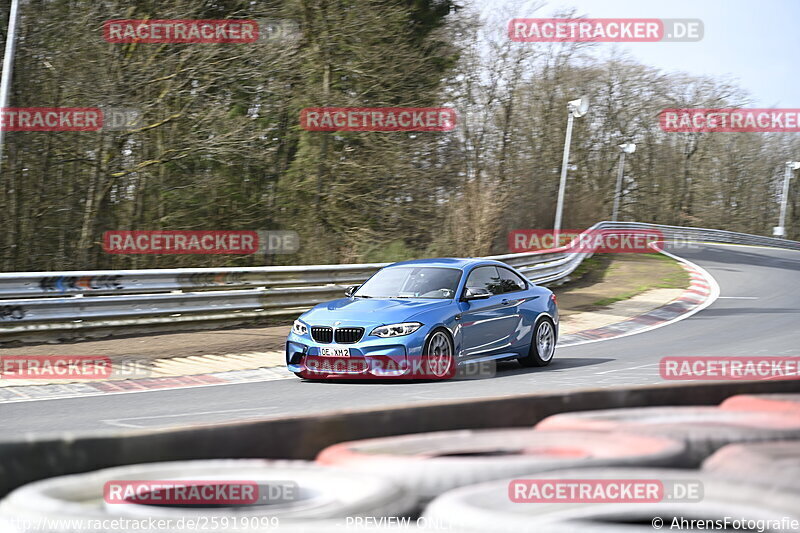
[218,143]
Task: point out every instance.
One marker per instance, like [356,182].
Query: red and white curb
[30,393]
[703,290]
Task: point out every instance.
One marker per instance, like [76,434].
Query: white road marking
[118,421]
[626,368]
[739,297]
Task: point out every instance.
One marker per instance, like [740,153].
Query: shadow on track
[504,369]
[730,256]
[731,311]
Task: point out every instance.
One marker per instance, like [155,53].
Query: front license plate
[334,352]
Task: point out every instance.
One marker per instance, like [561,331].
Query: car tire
[703,429]
[438,349]
[772,464]
[789,403]
[428,464]
[489,508]
[325,494]
[542,350]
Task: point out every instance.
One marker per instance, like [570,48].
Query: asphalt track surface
[757,314]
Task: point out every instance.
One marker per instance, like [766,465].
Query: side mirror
[476,294]
[350,290]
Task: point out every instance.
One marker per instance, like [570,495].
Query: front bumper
[374,356]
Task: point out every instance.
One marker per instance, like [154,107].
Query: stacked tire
[772,465]
[428,464]
[487,507]
[463,479]
[780,403]
[745,454]
[749,449]
[703,429]
[325,498]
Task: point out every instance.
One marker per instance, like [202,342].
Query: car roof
[451,262]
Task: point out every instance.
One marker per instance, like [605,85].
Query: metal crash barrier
[85,300]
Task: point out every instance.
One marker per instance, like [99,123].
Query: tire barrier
[703,429]
[771,464]
[488,507]
[303,437]
[789,403]
[318,495]
[428,464]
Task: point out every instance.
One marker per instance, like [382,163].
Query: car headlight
[299,328]
[396,330]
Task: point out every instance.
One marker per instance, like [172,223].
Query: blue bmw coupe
[447,311]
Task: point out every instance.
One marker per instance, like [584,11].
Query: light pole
[780,229]
[575,109]
[628,148]
[8,64]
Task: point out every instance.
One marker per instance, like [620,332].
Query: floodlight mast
[780,229]
[8,64]
[575,109]
[628,148]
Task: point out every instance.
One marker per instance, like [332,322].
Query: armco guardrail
[85,300]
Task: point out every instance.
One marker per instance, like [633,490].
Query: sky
[757,42]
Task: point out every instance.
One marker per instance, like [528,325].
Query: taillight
[553,297]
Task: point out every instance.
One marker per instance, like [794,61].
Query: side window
[485,277]
[511,281]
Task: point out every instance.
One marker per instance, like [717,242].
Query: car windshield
[411,282]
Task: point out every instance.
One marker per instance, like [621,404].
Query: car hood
[368,311]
